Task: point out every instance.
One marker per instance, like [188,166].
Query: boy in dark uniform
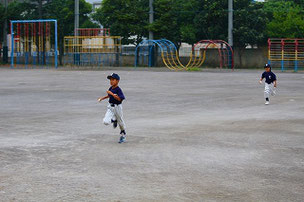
[114,112]
[270,83]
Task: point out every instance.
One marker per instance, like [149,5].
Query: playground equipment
[147,51]
[92,50]
[286,53]
[92,47]
[33,42]
[93,32]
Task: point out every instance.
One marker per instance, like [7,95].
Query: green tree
[249,25]
[24,10]
[187,10]
[286,19]
[249,22]
[165,20]
[298,2]
[15,11]
[125,18]
[63,11]
[211,20]
[2,18]
[174,20]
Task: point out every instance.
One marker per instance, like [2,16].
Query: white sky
[91,1]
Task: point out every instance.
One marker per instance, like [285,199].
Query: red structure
[286,53]
[225,51]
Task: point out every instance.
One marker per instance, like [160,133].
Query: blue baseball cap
[267,66]
[114,76]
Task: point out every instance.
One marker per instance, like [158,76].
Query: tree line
[192,20]
[177,20]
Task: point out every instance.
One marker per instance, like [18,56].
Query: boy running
[270,83]
[114,112]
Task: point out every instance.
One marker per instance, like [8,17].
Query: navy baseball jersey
[118,92]
[270,77]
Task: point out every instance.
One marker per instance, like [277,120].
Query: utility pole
[5,48]
[230,22]
[151,18]
[76,25]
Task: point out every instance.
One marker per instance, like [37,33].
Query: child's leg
[119,117]
[108,116]
[272,90]
[267,91]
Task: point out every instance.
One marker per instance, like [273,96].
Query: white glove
[260,82]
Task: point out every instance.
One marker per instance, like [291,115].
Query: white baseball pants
[114,113]
[269,90]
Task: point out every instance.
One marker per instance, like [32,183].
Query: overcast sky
[91,1]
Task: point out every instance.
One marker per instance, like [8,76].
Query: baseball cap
[267,66]
[114,76]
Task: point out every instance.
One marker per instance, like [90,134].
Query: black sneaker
[114,123]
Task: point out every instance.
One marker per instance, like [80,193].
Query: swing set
[34,43]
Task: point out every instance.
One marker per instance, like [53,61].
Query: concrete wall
[128,60]
[251,58]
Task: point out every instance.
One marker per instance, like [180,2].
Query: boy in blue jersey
[270,83]
[114,113]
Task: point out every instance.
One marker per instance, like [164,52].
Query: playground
[34,44]
[191,136]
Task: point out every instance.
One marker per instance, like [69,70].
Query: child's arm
[260,81]
[116,97]
[275,83]
[103,98]
[262,77]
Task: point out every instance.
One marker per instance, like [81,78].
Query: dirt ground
[192,136]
